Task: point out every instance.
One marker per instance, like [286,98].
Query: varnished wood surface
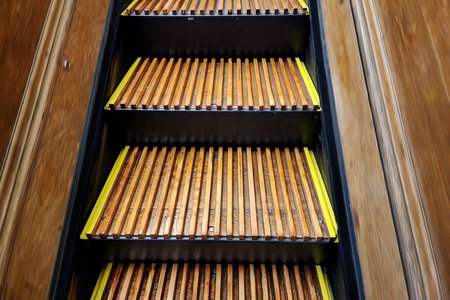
[20,29]
[45,192]
[216,84]
[416,47]
[201,193]
[376,239]
[410,124]
[213,7]
[143,280]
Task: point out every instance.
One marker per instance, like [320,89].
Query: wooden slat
[218,208]
[207,282]
[196,283]
[252,196]
[264,282]
[229,215]
[173,281]
[210,82]
[230,281]
[262,192]
[161,281]
[274,196]
[181,84]
[190,85]
[201,83]
[172,192]
[253,295]
[218,285]
[229,82]
[241,282]
[209,178]
[184,281]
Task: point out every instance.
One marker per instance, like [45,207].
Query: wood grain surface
[417,44]
[45,192]
[20,30]
[407,119]
[376,240]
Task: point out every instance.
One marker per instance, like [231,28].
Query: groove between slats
[216,84]
[198,192]
[141,280]
[215,7]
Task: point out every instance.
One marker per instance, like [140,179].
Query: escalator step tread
[228,193]
[151,280]
[216,84]
[214,7]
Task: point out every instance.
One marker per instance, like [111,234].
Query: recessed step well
[213,193]
[151,280]
[213,7]
[216,84]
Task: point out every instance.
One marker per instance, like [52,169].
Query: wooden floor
[213,7]
[229,193]
[142,280]
[216,84]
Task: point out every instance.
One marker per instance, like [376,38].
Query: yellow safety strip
[324,284]
[127,11]
[321,193]
[304,5]
[101,201]
[101,282]
[324,190]
[122,84]
[309,83]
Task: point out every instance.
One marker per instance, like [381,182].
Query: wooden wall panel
[20,29]
[378,250]
[43,196]
[416,36]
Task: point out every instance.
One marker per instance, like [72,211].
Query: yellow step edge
[101,282]
[122,84]
[324,284]
[324,190]
[309,83]
[322,194]
[304,5]
[127,12]
[107,188]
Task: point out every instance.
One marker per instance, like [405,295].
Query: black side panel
[330,162]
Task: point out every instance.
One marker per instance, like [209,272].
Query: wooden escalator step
[197,193]
[146,280]
[216,84]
